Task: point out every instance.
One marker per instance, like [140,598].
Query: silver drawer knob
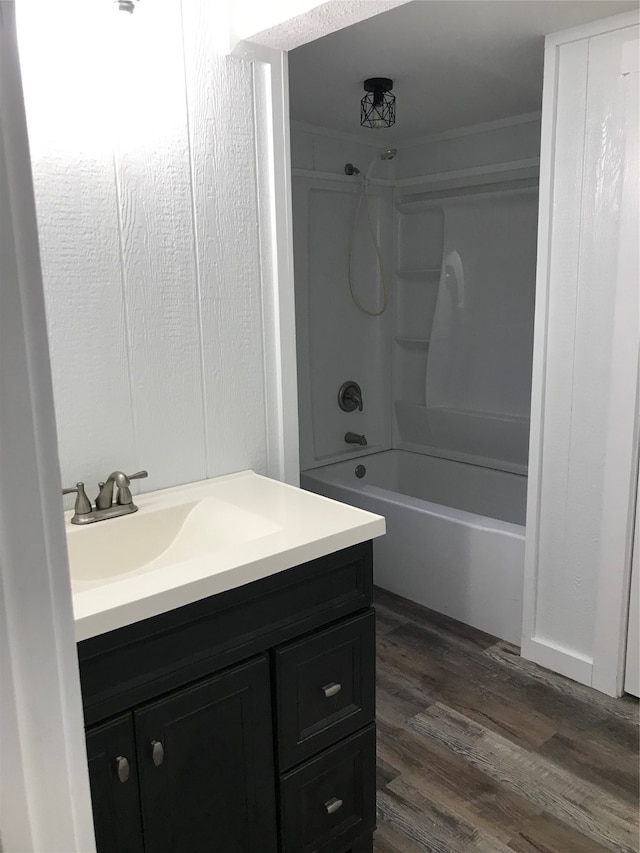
[122,768]
[333,805]
[157,752]
[331,689]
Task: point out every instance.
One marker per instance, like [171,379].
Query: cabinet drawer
[329,802]
[325,688]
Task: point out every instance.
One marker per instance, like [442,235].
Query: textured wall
[143,148]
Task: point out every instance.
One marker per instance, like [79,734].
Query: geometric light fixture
[378,107]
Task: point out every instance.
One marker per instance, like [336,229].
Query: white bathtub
[455,532]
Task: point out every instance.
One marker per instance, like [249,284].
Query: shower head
[388,153]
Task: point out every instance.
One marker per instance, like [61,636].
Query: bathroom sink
[155,538]
[193,541]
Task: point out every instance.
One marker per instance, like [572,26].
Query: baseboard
[558,659]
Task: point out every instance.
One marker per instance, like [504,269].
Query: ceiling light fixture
[125,5]
[378,107]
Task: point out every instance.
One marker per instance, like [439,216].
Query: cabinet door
[206,766]
[114,787]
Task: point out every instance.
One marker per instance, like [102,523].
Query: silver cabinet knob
[333,805]
[331,689]
[157,752]
[122,768]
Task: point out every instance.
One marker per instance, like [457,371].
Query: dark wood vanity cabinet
[242,723]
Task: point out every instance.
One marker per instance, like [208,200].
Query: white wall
[144,159]
[584,405]
[336,341]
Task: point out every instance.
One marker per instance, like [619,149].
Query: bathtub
[455,532]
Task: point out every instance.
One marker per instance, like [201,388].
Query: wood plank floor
[479,750]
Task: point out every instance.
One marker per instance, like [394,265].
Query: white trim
[471,129]
[603,670]
[594,28]
[536,430]
[623,429]
[316,130]
[45,803]
[632,662]
[277,265]
[557,659]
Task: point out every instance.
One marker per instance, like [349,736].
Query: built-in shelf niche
[415,307]
[420,235]
[420,238]
[410,369]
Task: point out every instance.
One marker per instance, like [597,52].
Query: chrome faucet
[354,438]
[106,506]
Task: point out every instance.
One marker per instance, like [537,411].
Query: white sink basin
[197,540]
[155,538]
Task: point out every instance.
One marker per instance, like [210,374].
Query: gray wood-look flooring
[479,750]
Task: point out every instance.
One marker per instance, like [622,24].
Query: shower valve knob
[350,397]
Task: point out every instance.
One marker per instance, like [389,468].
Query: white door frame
[45,803]
[632,663]
[604,669]
[623,435]
[271,88]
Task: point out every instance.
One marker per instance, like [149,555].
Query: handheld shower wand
[350,169]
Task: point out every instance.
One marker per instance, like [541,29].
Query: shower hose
[365,197]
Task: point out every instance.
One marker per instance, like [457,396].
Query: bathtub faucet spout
[354,438]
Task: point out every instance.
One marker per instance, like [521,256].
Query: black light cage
[378,107]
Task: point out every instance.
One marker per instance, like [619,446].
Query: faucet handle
[83,504]
[124,492]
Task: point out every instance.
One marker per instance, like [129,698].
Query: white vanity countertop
[287,526]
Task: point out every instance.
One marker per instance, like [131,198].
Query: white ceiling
[454,63]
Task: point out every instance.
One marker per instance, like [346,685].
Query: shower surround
[445,371]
